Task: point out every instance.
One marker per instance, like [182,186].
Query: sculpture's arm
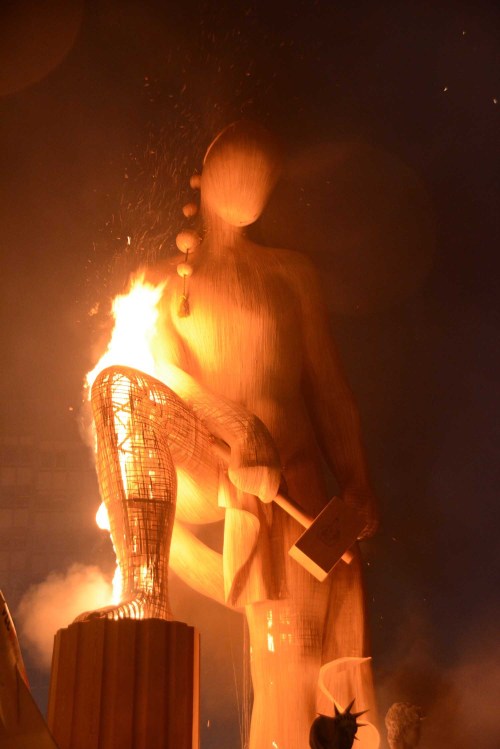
[330,400]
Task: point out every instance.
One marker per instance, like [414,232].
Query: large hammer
[327,538]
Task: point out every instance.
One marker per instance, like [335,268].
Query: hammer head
[326,540]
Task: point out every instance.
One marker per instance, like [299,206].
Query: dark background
[388,114]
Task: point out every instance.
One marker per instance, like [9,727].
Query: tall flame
[135,317]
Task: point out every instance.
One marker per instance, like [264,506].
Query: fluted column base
[125,684]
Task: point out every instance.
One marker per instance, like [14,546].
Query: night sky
[389,117]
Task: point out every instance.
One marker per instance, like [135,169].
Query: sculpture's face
[239,173]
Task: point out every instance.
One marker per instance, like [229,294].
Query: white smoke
[459,698]
[54,604]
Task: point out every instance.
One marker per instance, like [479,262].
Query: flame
[117,584]
[135,317]
[102,518]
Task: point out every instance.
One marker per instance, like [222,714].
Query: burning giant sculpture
[242,342]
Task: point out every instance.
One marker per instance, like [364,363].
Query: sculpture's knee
[116,383]
[118,387]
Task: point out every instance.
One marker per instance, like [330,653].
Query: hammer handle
[293,509]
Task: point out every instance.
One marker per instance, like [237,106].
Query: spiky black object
[337,732]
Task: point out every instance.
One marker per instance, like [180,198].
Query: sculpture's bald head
[240,170]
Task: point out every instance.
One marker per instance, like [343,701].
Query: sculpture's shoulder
[291,258]
[297,270]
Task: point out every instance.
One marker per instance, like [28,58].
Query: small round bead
[190,210]
[187,240]
[195,182]
[185,270]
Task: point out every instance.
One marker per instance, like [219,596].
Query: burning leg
[137,418]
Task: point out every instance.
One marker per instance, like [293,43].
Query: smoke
[54,604]
[465,711]
[459,699]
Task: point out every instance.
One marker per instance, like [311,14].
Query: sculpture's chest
[242,320]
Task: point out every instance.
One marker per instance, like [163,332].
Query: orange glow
[270,636]
[102,518]
[135,316]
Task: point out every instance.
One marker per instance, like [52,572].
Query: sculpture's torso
[243,339]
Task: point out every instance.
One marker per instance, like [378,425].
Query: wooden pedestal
[125,685]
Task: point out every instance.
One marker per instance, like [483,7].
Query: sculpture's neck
[219,236]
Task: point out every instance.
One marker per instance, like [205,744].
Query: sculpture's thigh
[198,481]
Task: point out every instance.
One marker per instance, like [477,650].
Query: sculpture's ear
[240,170]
